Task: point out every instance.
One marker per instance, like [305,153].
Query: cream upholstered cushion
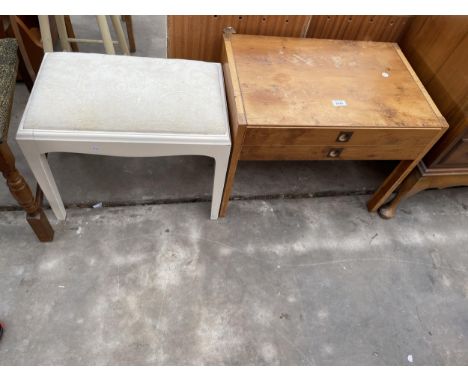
[98,92]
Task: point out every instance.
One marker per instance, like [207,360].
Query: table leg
[410,186]
[390,184]
[237,139]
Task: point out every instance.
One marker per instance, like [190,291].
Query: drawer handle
[334,153]
[344,136]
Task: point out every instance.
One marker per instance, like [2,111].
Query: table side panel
[233,93]
[236,117]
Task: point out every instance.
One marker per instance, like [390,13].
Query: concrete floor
[281,282]
[313,280]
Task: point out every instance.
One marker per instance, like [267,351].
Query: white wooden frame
[36,143]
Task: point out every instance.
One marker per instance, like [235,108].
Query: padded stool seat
[125,106]
[86,91]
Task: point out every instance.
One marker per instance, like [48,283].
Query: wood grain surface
[437,47]
[430,40]
[323,152]
[287,91]
[366,28]
[270,136]
[294,82]
[200,37]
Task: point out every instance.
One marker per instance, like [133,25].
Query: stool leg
[41,170]
[105,34]
[120,34]
[46,36]
[221,165]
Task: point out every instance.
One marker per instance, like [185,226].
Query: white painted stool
[125,106]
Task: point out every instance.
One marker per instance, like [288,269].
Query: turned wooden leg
[131,37]
[22,193]
[410,186]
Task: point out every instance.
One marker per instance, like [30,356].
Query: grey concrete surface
[285,282]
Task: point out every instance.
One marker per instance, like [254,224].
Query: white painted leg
[45,33]
[221,165]
[41,170]
[62,32]
[105,34]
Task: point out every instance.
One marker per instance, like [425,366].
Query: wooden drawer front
[265,136]
[329,153]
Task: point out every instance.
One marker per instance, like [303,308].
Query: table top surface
[316,82]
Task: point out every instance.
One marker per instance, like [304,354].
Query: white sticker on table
[339,102]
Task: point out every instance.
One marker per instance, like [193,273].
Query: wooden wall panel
[449,84]
[429,40]
[200,37]
[375,28]
[437,48]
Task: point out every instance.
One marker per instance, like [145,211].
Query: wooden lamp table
[314,99]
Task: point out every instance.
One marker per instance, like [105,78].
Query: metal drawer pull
[334,153]
[344,136]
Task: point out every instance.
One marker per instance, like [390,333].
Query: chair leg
[120,34]
[46,35]
[22,193]
[41,170]
[221,165]
[105,34]
[63,34]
